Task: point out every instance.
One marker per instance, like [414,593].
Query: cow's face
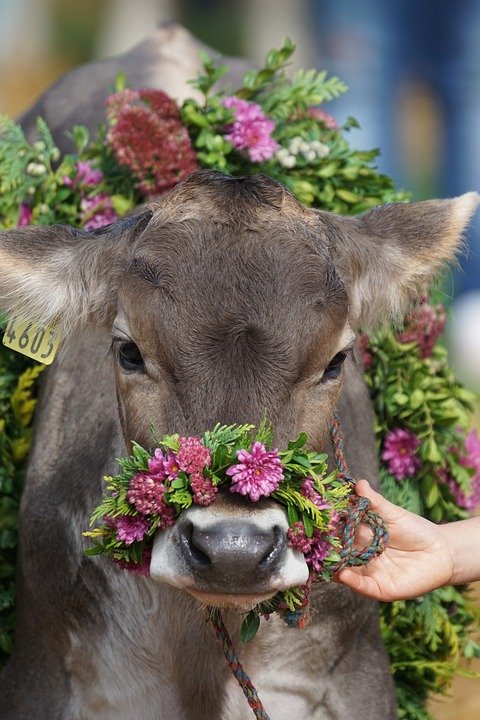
[229,302]
[230,310]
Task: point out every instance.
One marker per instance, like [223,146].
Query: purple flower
[141,568]
[86,174]
[131,528]
[24,215]
[193,456]
[308,491]
[315,548]
[472,460]
[97,211]
[171,465]
[258,474]
[251,130]
[156,465]
[399,453]
[318,551]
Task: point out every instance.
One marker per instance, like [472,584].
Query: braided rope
[359,514]
[235,665]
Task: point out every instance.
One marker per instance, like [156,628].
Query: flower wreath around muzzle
[153,489]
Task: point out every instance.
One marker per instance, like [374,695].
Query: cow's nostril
[276,548]
[231,554]
[199,557]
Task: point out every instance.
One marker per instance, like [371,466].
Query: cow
[226,299]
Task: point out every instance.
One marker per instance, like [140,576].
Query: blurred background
[413,68]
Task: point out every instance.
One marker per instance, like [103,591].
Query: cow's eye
[130,358]
[334,367]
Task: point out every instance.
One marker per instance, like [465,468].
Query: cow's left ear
[62,275]
[389,256]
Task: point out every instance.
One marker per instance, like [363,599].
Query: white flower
[295,145]
[36,169]
[285,159]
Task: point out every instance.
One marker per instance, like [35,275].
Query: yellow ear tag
[39,342]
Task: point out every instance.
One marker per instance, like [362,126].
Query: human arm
[420,555]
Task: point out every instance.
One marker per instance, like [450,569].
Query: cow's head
[228,300]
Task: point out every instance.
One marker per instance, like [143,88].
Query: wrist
[462,544]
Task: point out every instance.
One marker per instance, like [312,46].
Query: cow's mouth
[242,602]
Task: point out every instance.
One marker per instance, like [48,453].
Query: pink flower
[156,465]
[424,325]
[323,117]
[308,491]
[298,539]
[24,215]
[472,460]
[86,174]
[258,474]
[142,568]
[251,130]
[399,449]
[147,495]
[472,446]
[97,211]
[171,465]
[193,456]
[318,551]
[203,490]
[131,528]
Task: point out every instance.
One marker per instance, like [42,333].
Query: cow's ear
[389,256]
[62,275]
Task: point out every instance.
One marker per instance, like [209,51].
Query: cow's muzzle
[216,556]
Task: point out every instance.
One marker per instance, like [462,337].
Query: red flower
[146,135]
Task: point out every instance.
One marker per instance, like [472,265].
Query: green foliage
[17,404]
[425,637]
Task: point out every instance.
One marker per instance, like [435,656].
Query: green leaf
[178,483]
[298,443]
[292,515]
[249,626]
[308,525]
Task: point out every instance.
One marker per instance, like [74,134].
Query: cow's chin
[240,602]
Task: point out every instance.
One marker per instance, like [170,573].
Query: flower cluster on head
[147,136]
[251,130]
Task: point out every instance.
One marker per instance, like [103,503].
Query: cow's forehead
[237,261]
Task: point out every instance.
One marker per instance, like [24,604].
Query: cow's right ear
[62,275]
[389,256]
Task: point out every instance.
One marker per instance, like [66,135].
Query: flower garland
[153,489]
[430,463]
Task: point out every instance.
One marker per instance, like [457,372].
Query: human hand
[417,559]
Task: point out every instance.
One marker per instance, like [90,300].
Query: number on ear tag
[39,342]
